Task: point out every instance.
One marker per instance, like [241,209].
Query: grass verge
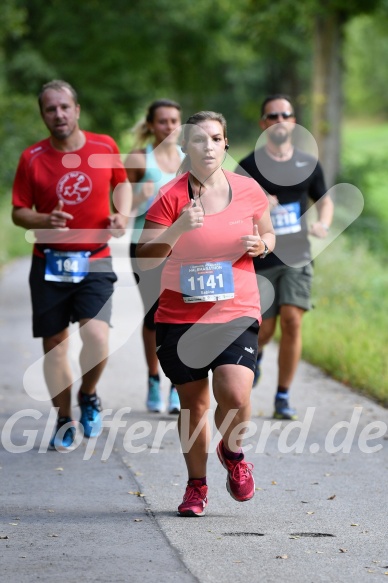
[346,334]
[12,241]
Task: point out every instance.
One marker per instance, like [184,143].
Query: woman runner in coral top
[209,224]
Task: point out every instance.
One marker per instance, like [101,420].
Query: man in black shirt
[290,178]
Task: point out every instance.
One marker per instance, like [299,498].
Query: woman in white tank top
[152,164]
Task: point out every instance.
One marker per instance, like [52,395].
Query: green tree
[366,76]
[122,55]
[318,30]
[16,109]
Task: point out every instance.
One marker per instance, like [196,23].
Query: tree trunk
[327,92]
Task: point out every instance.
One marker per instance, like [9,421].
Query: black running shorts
[56,304]
[187,352]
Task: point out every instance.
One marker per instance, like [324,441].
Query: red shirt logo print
[74,187]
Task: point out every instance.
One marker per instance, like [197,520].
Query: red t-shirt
[46,175]
[217,241]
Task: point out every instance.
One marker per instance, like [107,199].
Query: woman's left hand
[253,244]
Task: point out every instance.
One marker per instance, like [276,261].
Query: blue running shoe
[154,400]
[283,409]
[64,434]
[174,405]
[90,414]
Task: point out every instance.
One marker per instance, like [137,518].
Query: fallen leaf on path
[4,536]
[59,469]
[343,550]
[274,483]
[310,512]
[332,497]
[354,524]
[136,494]
[281,556]
[138,520]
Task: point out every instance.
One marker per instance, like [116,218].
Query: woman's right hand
[191,217]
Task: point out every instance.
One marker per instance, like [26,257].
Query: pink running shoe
[194,500]
[239,483]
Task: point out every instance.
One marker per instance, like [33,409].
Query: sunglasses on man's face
[274,116]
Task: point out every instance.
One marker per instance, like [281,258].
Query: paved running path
[78,516]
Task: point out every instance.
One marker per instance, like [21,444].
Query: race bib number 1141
[207,282]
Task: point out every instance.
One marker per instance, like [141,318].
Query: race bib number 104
[69,267]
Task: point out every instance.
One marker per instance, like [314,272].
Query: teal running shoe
[174,405]
[283,409]
[64,434]
[91,421]
[154,400]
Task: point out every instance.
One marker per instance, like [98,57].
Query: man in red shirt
[62,191]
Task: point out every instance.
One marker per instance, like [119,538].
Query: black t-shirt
[293,182]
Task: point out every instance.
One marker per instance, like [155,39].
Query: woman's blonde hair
[196,119]
[141,129]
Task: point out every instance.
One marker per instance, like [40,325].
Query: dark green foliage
[370,176]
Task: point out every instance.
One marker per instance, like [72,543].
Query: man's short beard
[278,138]
[60,136]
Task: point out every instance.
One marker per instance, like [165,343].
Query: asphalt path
[106,511]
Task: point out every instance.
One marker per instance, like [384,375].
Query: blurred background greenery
[330,57]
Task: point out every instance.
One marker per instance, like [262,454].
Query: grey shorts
[283,285]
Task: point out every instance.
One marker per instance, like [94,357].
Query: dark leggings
[149,287]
